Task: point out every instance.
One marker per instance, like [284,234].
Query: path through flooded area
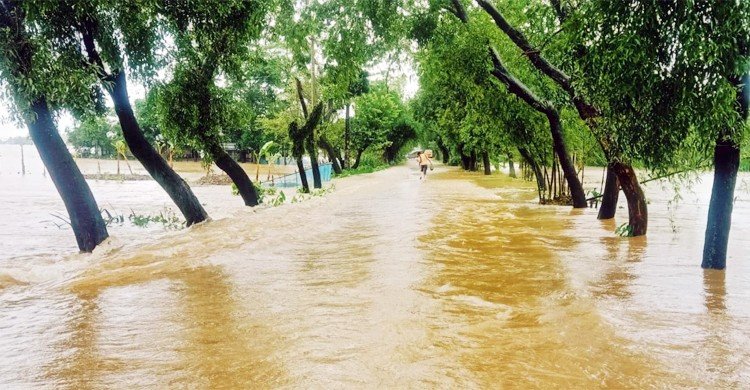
[459,281]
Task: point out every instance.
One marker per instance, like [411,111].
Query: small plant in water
[302,196]
[624,230]
[167,218]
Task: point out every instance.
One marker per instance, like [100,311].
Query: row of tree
[660,85]
[557,84]
[215,72]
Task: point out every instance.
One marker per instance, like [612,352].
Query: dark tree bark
[486,163]
[560,11]
[637,208]
[540,183]
[444,153]
[298,149]
[465,162]
[332,155]
[357,160]
[459,10]
[85,218]
[310,135]
[235,172]
[511,168]
[312,150]
[586,111]
[558,142]
[174,185]
[610,196]
[473,161]
[302,175]
[726,164]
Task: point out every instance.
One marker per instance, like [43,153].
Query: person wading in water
[423,162]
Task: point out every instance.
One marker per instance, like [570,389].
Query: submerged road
[387,282]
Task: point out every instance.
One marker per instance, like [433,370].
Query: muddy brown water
[388,282]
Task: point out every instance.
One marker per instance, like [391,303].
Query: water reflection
[715,286]
[181,327]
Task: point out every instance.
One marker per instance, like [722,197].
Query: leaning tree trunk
[302,175]
[637,208]
[586,111]
[85,218]
[571,176]
[332,155]
[157,167]
[239,177]
[357,160]
[519,89]
[610,196]
[486,163]
[511,168]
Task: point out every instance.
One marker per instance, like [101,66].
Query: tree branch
[560,11]
[515,86]
[585,110]
[459,10]
[531,52]
[301,97]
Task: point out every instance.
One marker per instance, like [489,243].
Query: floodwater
[388,282]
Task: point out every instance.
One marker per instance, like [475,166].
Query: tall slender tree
[25,70]
[108,35]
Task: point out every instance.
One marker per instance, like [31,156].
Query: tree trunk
[356,161]
[175,186]
[726,164]
[519,89]
[235,172]
[511,168]
[312,150]
[465,162]
[302,175]
[473,161]
[558,143]
[486,163]
[444,153]
[637,208]
[610,196]
[85,218]
[540,183]
[23,162]
[347,126]
[332,155]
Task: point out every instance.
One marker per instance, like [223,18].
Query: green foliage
[167,218]
[382,121]
[302,196]
[94,133]
[369,163]
[664,75]
[624,230]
